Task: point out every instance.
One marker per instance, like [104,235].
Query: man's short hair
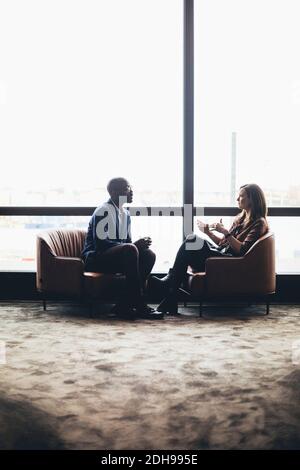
[115,184]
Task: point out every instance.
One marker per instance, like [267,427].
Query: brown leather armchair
[249,277]
[60,269]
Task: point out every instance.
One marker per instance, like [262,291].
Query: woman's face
[243,200]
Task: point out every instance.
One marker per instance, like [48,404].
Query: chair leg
[267,307]
[200,309]
[184,304]
[44,305]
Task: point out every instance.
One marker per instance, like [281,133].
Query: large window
[89,90]
[247,108]
[18,238]
[94,89]
[247,99]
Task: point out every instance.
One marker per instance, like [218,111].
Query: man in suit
[108,248]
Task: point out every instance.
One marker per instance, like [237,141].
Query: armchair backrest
[64,242]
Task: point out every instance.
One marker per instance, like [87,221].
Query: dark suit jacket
[106,229]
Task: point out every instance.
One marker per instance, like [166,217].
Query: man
[108,248]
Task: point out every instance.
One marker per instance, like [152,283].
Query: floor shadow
[25,427]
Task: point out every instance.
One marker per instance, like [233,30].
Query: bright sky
[91,89]
[248,81]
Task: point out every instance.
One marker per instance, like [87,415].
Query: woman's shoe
[165,281]
[149,313]
[168,305]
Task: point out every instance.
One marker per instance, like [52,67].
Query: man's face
[129,193]
[126,192]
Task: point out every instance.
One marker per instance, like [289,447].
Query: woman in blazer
[248,226]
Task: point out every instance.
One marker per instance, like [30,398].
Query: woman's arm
[234,243]
[205,229]
[214,237]
[258,229]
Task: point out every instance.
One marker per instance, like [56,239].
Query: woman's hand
[219,227]
[203,227]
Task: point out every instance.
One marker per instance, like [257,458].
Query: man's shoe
[124,311]
[149,313]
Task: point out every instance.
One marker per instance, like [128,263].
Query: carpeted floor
[230,380]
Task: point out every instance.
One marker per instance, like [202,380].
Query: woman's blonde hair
[258,205]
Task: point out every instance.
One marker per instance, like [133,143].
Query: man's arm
[129,238]
[104,232]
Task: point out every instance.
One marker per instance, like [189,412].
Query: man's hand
[203,227]
[143,243]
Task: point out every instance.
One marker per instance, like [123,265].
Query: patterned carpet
[230,380]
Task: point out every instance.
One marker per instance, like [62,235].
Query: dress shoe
[169,305]
[149,313]
[165,281]
[124,311]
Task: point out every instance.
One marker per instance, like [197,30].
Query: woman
[248,226]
